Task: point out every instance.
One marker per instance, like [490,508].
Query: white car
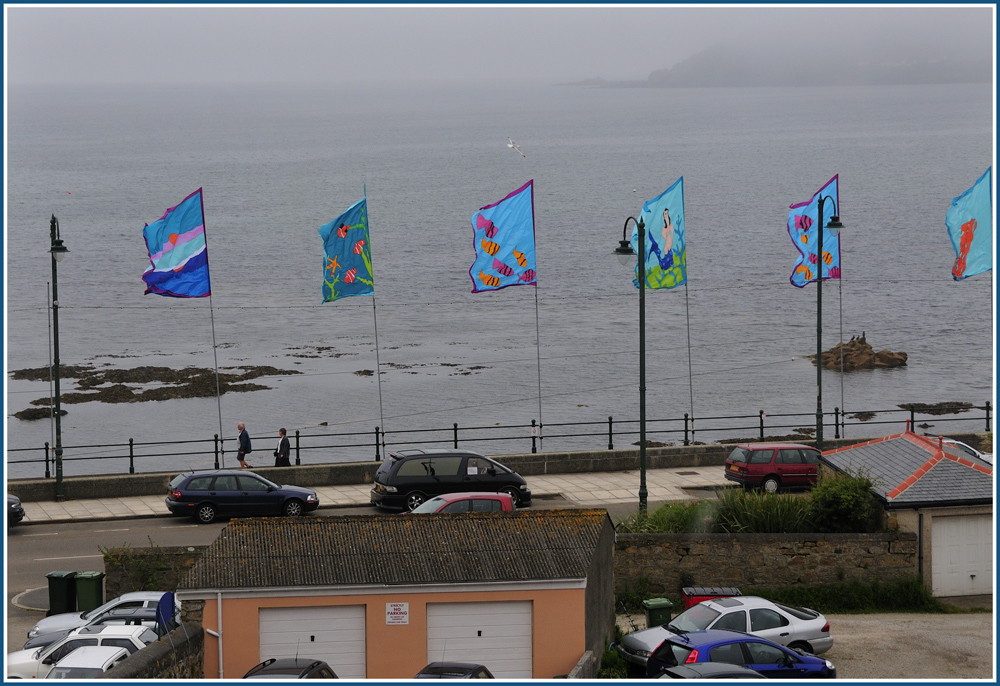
[36,663]
[72,620]
[795,627]
[87,662]
[969,450]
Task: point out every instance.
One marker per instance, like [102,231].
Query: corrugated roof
[908,468]
[405,549]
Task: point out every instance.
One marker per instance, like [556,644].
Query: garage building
[525,593]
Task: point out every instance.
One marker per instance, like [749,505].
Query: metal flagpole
[378,366]
[538,354]
[215,347]
[840,290]
[687,312]
[52,426]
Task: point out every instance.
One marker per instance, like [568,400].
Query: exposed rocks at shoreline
[859,354]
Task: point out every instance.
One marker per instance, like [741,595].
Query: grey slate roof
[404,549]
[910,470]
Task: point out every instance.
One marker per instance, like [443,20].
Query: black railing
[512,437]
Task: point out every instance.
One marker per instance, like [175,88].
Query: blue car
[737,648]
[205,495]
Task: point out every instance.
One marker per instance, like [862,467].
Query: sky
[409,44]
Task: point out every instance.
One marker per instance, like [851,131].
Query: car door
[790,466]
[445,476]
[61,651]
[729,653]
[226,495]
[770,624]
[734,621]
[258,499]
[810,458]
[772,661]
[478,474]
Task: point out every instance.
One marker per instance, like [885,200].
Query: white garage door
[497,635]
[334,634]
[962,554]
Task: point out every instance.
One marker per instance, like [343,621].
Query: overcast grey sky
[378,44]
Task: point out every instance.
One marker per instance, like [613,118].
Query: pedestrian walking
[281,454]
[244,448]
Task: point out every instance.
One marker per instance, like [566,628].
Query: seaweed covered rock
[858,354]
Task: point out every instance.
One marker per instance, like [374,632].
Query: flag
[802,230]
[970,227]
[347,263]
[503,236]
[666,256]
[178,252]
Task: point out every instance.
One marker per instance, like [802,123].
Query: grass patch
[613,665]
[857,597]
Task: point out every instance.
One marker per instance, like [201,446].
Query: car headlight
[390,489]
[33,632]
[524,487]
[311,498]
[642,653]
[829,665]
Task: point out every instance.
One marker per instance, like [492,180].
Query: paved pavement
[597,489]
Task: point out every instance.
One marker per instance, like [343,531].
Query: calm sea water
[276,163]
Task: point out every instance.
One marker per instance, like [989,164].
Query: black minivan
[409,477]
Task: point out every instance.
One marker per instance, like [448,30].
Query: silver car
[795,627]
[72,620]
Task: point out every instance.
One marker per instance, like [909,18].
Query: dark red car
[771,466]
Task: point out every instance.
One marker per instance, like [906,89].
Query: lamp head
[834,225]
[624,253]
[58,250]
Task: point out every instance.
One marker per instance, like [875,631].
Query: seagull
[512,144]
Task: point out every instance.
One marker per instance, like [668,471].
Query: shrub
[742,511]
[845,503]
[902,595]
[630,600]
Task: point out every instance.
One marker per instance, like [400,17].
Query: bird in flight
[512,144]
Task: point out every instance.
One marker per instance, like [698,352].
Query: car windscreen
[75,673]
[739,455]
[176,481]
[500,468]
[696,618]
[672,653]
[430,506]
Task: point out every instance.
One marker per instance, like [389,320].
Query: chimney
[940,442]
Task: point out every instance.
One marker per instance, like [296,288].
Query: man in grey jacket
[244,448]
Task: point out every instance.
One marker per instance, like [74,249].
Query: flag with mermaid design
[970,228]
[347,254]
[178,251]
[666,253]
[504,241]
[802,220]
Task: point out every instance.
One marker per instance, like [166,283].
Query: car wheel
[205,513]
[770,484]
[512,492]
[414,500]
[293,508]
[800,644]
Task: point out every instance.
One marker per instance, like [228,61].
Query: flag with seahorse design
[970,227]
[664,243]
[802,220]
[347,254]
[504,241]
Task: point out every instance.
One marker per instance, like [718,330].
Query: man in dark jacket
[281,454]
[244,448]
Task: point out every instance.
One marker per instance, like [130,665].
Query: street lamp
[835,226]
[625,254]
[58,252]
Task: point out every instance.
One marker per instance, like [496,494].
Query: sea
[277,162]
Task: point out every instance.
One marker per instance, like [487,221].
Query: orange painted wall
[400,651]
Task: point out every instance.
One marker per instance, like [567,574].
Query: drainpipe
[218,634]
[920,546]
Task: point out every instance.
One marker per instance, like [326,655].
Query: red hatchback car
[454,503]
[771,466]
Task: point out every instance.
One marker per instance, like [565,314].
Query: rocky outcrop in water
[858,354]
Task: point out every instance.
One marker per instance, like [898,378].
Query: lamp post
[58,252]
[624,253]
[835,226]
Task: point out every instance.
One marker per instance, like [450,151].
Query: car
[735,647]
[964,447]
[35,664]
[771,466]
[407,478]
[454,670]
[87,662]
[15,512]
[282,668]
[128,616]
[72,620]
[710,670]
[796,627]
[455,503]
[208,494]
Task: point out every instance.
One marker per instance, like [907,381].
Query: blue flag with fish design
[666,254]
[802,219]
[347,263]
[970,228]
[504,241]
[178,251]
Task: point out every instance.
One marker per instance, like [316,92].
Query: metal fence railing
[511,438]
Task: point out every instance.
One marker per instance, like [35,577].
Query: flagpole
[378,366]
[687,313]
[538,354]
[215,347]
[840,290]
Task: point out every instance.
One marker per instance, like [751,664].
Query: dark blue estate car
[737,648]
[235,493]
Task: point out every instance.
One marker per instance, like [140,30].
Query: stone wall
[671,561]
[147,569]
[178,655]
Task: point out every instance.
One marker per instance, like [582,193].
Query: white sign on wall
[397,613]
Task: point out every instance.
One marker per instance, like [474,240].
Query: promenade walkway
[586,489]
